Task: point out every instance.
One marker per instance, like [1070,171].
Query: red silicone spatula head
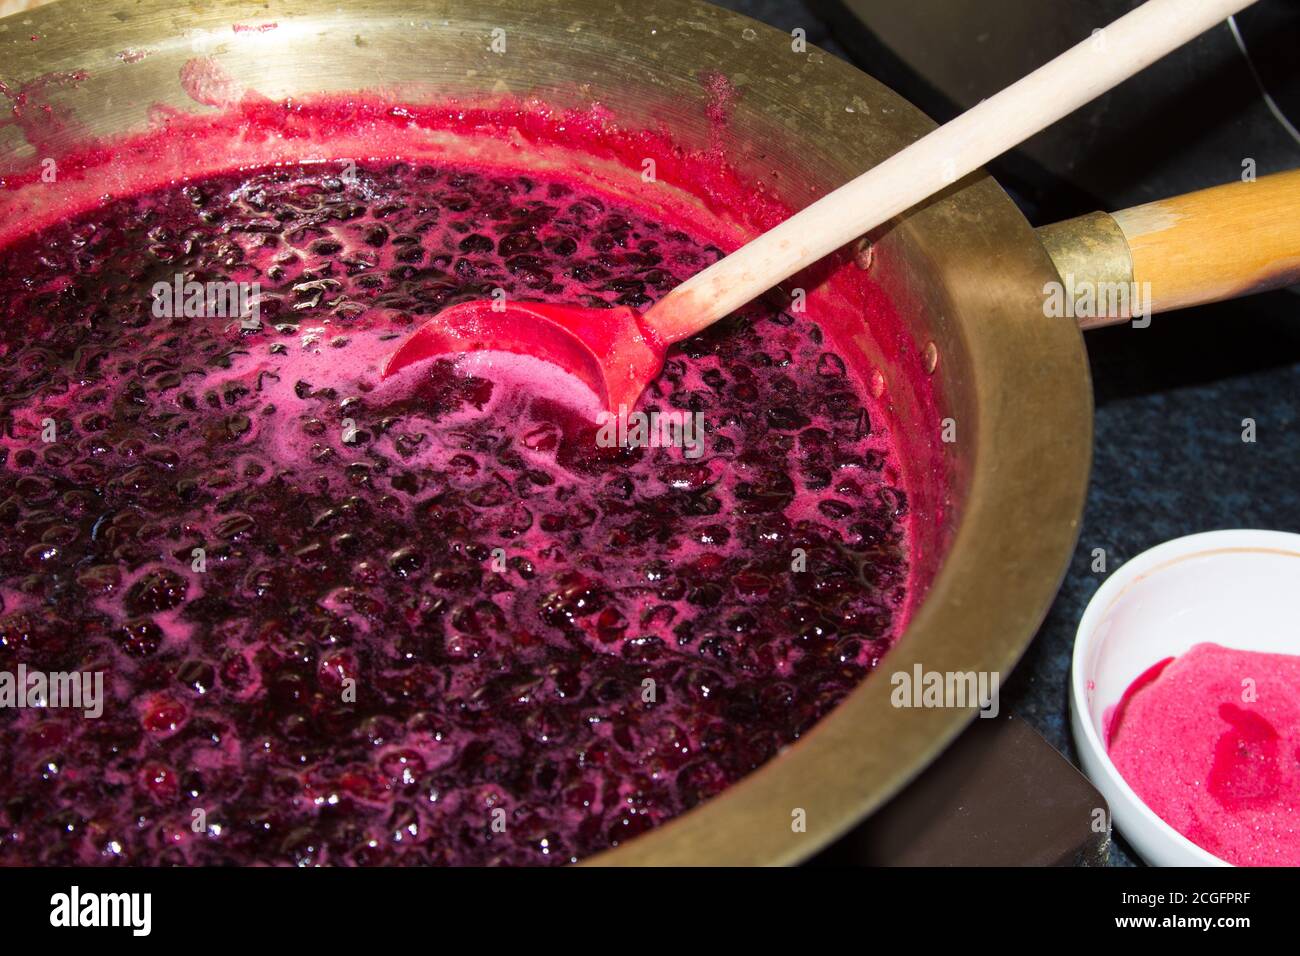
[607,349]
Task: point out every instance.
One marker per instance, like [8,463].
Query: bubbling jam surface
[428,621]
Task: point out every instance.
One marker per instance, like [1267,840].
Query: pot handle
[1206,246]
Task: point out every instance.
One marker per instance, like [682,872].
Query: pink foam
[1212,745]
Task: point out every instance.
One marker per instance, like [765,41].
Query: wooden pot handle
[1206,246]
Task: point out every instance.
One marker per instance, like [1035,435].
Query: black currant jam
[428,621]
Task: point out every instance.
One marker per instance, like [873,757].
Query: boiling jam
[433,620]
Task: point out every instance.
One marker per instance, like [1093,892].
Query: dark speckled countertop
[1169,459]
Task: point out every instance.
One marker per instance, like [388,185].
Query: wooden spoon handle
[937,160]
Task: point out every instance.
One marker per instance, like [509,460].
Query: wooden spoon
[618,352]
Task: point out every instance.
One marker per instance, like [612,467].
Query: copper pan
[953,290]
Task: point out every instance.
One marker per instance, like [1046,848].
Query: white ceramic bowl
[1239,589]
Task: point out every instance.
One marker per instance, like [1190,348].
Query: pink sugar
[1212,746]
